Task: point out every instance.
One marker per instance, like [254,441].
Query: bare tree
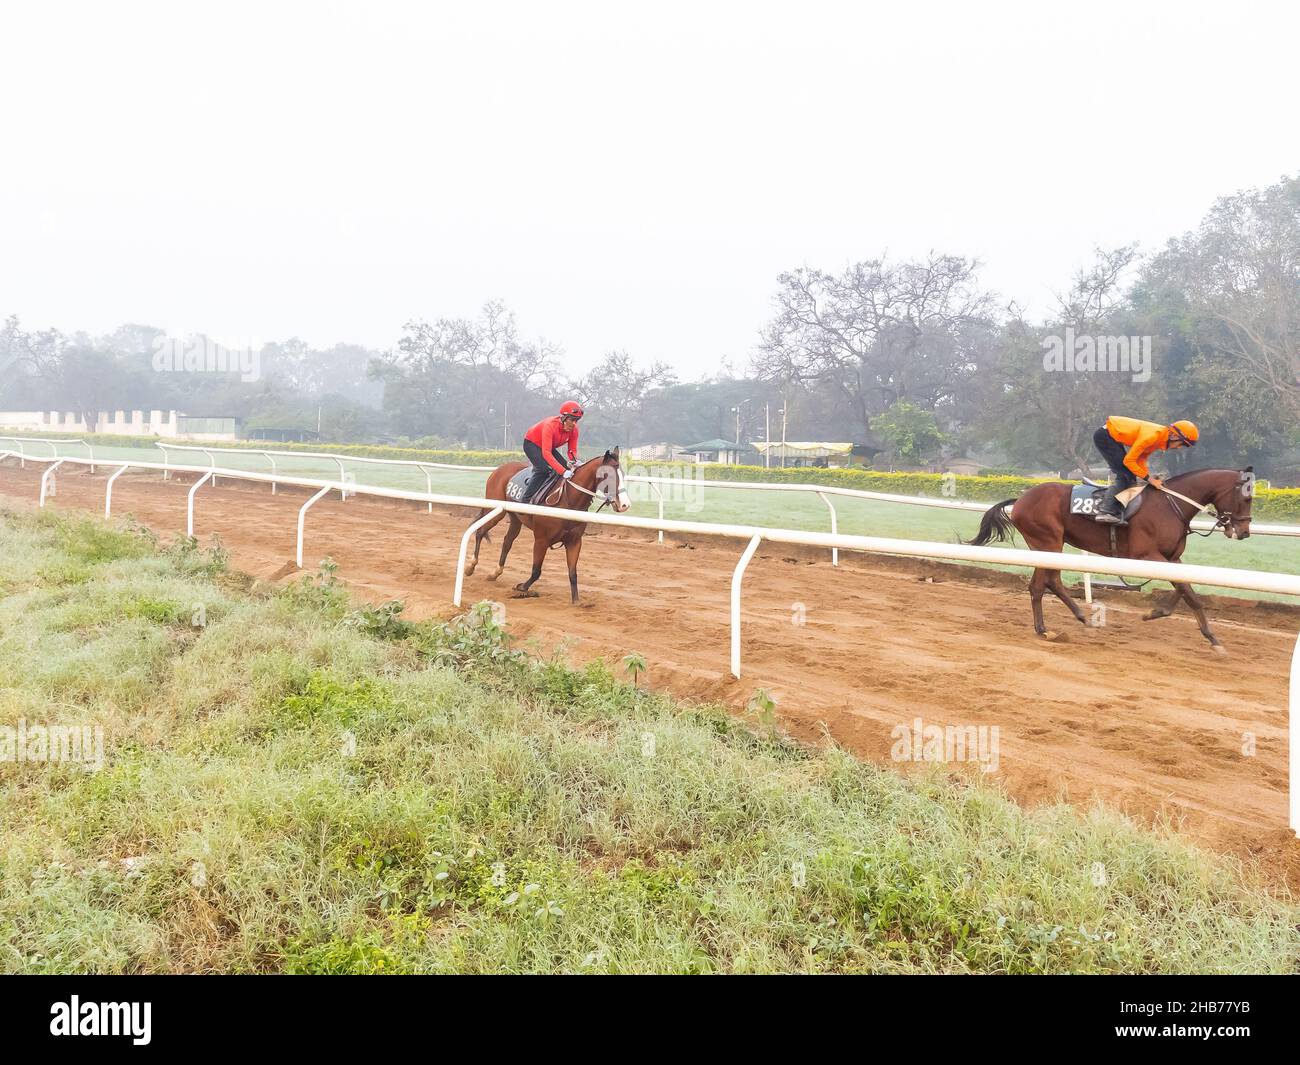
[878,333]
[616,390]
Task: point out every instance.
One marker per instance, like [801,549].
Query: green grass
[291,784]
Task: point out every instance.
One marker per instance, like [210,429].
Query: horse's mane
[1208,469]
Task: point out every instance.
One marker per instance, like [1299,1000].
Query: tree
[877,333]
[1045,414]
[614,392]
[454,375]
[911,433]
[1237,278]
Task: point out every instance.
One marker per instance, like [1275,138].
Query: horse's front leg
[572,550]
[1198,608]
[539,555]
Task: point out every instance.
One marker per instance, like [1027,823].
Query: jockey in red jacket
[542,445]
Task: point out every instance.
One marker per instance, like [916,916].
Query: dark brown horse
[599,478]
[1157,532]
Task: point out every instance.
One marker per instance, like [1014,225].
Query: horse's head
[1232,501]
[611,485]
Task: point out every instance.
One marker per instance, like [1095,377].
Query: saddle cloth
[1085,499]
[517,487]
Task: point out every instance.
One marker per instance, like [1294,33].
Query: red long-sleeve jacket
[548,434]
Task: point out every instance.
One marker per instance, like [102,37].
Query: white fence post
[736,578]
[428,485]
[302,518]
[835,551]
[660,497]
[108,492]
[464,551]
[45,478]
[189,510]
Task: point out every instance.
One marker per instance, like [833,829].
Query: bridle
[1225,519]
[605,498]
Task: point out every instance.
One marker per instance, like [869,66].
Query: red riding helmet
[571,410]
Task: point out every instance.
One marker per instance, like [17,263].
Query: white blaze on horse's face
[622,502]
[613,487]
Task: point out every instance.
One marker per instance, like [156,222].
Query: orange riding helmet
[1186,432]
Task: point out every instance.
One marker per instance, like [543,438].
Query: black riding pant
[1113,452]
[541,468]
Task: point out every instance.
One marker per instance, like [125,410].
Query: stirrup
[1106,518]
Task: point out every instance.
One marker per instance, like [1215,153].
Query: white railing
[1248,580]
[54,449]
[822,491]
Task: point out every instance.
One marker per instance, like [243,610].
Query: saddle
[1086,497]
[517,486]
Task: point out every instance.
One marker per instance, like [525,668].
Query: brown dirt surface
[1140,715]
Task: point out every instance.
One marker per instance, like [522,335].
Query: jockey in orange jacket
[1126,444]
[542,445]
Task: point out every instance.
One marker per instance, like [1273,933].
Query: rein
[605,500]
[1220,522]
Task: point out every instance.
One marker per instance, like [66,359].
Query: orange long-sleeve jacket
[1142,438]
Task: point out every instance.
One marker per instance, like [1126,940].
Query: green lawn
[289,784]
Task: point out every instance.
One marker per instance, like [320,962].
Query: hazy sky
[622,175]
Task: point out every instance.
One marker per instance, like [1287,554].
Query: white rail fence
[821,491]
[1217,576]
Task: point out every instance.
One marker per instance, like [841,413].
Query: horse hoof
[1153,615]
[1218,649]
[1052,637]
[494,576]
[469,570]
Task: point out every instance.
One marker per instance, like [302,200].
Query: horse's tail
[995,526]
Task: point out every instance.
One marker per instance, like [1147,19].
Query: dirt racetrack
[1139,714]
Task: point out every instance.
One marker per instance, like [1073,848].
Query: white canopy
[801,449]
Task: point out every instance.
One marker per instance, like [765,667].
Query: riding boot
[1109,512]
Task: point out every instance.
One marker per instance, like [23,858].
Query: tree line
[914,359]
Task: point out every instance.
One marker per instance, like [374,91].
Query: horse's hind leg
[1038,584]
[506,544]
[1058,588]
[480,534]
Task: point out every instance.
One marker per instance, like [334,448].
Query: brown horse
[598,478]
[1157,532]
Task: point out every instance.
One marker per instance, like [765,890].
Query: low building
[170,424]
[664,452]
[804,453]
[726,452]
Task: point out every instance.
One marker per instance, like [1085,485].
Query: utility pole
[767,434]
[505,429]
[783,406]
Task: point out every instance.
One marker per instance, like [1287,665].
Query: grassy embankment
[295,785]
